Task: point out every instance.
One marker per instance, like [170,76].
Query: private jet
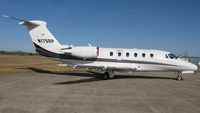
[108,60]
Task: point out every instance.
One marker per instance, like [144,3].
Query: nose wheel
[179,76]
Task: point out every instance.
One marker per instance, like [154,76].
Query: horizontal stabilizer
[22,22]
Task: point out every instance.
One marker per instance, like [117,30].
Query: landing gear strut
[179,76]
[108,74]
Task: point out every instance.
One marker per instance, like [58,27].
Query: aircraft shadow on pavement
[95,76]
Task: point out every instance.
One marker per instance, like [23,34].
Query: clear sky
[172,25]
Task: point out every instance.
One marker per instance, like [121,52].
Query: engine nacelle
[86,52]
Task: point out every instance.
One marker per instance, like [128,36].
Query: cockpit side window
[172,56]
[166,56]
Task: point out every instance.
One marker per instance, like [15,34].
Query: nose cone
[195,67]
[187,66]
[192,67]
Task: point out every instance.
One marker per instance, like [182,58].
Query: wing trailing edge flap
[112,67]
[121,68]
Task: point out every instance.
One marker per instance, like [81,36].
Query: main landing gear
[109,74]
[179,76]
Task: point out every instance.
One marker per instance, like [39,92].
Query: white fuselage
[132,59]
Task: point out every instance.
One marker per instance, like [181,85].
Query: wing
[111,67]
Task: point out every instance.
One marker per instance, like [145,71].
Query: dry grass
[12,64]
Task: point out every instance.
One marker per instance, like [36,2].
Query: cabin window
[119,54]
[151,55]
[166,56]
[143,55]
[127,54]
[111,53]
[135,54]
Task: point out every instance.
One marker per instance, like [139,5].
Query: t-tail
[45,43]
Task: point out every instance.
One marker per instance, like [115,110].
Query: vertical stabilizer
[45,43]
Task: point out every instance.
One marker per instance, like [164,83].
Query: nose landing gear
[179,76]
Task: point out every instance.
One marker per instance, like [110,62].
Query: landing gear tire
[179,78]
[108,75]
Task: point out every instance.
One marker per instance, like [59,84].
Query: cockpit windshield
[172,56]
